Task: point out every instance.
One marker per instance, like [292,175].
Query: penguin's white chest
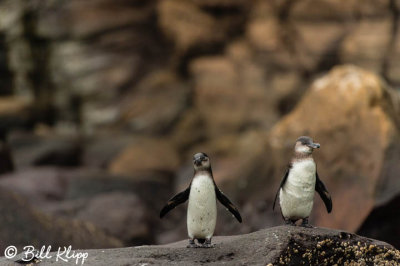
[297,195]
[202,209]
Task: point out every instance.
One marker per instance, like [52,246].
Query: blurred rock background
[104,102]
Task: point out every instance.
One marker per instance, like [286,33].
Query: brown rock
[339,10]
[366,45]
[354,116]
[10,105]
[234,91]
[186,24]
[186,131]
[14,112]
[393,71]
[156,103]
[264,33]
[78,19]
[221,3]
[145,154]
[316,44]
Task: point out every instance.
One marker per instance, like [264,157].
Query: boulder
[367,43]
[235,92]
[336,10]
[393,71]
[187,25]
[39,185]
[263,28]
[79,20]
[355,117]
[283,245]
[126,218]
[155,104]
[83,195]
[317,45]
[145,154]
[34,150]
[23,225]
[101,149]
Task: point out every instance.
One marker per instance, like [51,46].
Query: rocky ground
[282,245]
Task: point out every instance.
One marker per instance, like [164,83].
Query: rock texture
[117,95]
[382,222]
[73,62]
[21,226]
[281,245]
[356,118]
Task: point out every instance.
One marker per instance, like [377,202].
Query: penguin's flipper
[324,194]
[281,185]
[227,203]
[175,201]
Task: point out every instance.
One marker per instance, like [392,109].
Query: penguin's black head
[201,162]
[305,145]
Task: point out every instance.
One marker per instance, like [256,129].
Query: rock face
[125,218]
[382,222]
[117,96]
[283,245]
[21,225]
[356,118]
[88,60]
[145,155]
[33,150]
[116,206]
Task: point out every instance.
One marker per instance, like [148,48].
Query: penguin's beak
[314,145]
[197,161]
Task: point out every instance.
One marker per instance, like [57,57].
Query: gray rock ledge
[286,245]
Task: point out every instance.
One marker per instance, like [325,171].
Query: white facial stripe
[204,165]
[302,149]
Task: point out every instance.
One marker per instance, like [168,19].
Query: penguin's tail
[201,240]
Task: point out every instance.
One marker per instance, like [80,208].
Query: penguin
[202,208]
[301,180]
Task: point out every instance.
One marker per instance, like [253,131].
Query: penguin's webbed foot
[289,222]
[207,244]
[305,223]
[192,244]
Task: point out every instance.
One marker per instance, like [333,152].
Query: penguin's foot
[192,244]
[207,244]
[289,222]
[305,223]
